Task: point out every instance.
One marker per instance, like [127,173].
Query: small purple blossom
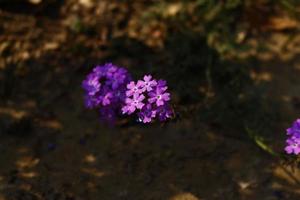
[136,102]
[164,112]
[293,145]
[147,114]
[134,88]
[119,77]
[295,129]
[161,83]
[293,142]
[91,84]
[107,99]
[147,84]
[159,96]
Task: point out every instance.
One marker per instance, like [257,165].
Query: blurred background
[232,67]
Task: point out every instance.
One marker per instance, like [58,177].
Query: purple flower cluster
[149,99]
[293,142]
[105,89]
[111,90]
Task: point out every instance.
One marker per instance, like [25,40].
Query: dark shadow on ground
[47,8]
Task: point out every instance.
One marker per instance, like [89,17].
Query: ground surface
[51,147]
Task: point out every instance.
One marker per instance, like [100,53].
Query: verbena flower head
[293,142]
[105,89]
[293,145]
[149,99]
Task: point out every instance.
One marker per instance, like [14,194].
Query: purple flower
[148,84]
[133,103]
[295,129]
[106,100]
[164,112]
[105,89]
[147,114]
[134,88]
[119,78]
[161,83]
[159,96]
[293,145]
[111,70]
[100,70]
[91,84]
[293,141]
